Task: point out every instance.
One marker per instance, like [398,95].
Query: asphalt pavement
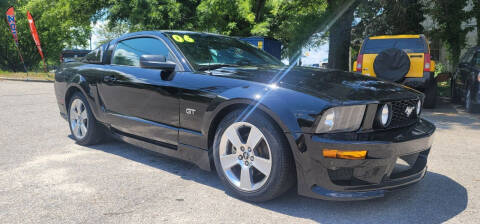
[46,178]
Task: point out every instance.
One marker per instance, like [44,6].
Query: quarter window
[95,56]
[476,61]
[128,52]
[467,58]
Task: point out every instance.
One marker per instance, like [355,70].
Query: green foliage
[67,23]
[296,21]
[226,17]
[290,21]
[384,17]
[449,16]
[475,13]
[106,32]
[387,17]
[153,15]
[60,24]
[440,68]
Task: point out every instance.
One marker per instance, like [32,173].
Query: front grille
[399,115]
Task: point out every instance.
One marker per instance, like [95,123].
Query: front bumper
[395,159]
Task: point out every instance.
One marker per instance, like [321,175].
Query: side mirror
[159,62]
[156,62]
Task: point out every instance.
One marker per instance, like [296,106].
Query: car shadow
[436,199]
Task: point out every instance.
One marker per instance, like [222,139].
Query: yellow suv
[399,58]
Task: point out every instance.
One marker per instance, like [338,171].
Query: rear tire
[453,92]
[83,125]
[431,96]
[258,186]
[469,106]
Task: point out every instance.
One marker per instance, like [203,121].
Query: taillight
[359,63]
[427,65]
[478,77]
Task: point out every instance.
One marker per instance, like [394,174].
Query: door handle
[109,78]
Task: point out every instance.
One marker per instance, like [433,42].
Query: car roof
[403,36]
[159,33]
[150,32]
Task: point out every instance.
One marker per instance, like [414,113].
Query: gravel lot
[46,178]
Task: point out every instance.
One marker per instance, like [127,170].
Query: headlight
[384,115]
[341,119]
[419,107]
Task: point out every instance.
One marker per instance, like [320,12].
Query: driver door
[138,102]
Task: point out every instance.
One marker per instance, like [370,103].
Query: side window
[128,52]
[476,60]
[467,58]
[95,56]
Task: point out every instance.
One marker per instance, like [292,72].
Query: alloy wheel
[78,119]
[245,156]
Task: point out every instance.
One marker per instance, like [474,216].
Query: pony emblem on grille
[409,110]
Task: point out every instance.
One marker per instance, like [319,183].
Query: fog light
[340,154]
[385,116]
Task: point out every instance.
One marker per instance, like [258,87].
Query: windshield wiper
[215,66]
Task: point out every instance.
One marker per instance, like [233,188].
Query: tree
[449,16]
[386,17]
[403,16]
[106,32]
[340,35]
[476,15]
[295,22]
[60,24]
[290,21]
[153,15]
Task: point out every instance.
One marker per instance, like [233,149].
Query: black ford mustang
[221,103]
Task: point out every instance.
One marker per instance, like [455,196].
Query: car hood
[333,85]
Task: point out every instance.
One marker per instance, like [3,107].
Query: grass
[23,75]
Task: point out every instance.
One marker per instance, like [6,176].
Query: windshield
[410,45]
[207,51]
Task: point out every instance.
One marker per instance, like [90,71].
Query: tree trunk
[339,39]
[259,6]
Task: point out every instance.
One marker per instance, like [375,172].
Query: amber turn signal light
[339,154]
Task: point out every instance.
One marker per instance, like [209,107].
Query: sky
[95,28]
[316,55]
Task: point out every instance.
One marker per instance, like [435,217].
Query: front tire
[83,125]
[453,92]
[252,157]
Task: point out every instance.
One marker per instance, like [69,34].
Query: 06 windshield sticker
[177,38]
[188,38]
[181,39]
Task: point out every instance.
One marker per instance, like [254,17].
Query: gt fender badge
[190,111]
[409,111]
